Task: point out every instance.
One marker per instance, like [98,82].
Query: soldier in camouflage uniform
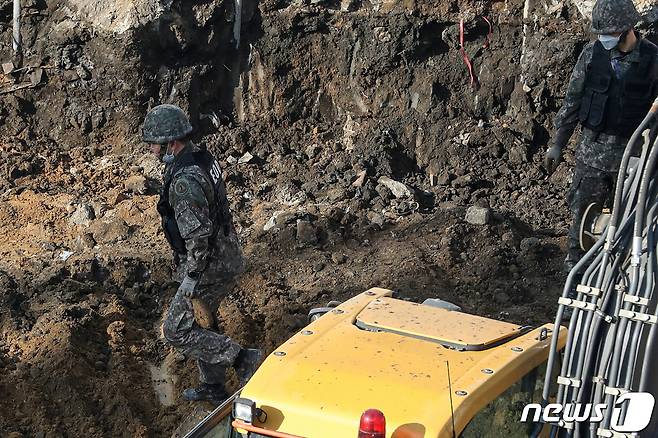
[198,225]
[611,89]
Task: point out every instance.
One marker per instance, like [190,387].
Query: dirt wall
[352,143]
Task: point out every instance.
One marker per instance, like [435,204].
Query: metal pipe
[237,23]
[527,7]
[17,27]
[627,155]
[599,341]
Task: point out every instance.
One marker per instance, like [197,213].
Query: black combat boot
[247,363]
[206,392]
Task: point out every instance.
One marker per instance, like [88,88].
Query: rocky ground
[356,154]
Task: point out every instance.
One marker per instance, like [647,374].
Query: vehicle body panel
[322,379]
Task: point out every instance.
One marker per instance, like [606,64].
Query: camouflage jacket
[600,151]
[191,196]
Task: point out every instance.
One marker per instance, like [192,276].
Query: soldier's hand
[188,287]
[552,158]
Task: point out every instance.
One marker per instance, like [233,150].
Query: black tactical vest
[219,211]
[617,106]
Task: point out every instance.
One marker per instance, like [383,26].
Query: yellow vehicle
[375,366]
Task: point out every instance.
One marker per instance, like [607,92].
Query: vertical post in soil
[526,14]
[237,24]
[17,26]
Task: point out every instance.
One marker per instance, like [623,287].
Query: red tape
[465,57]
[462,49]
[487,40]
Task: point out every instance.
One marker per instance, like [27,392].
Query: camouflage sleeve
[566,119]
[189,198]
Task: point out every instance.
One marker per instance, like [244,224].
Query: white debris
[246,158]
[64,256]
[398,189]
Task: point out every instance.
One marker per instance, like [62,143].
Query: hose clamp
[599,380]
[608,433]
[569,425]
[636,251]
[568,381]
[592,291]
[620,288]
[638,316]
[604,316]
[610,390]
[576,304]
[634,299]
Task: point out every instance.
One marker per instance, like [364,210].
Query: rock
[7,67]
[291,196]
[447,205]
[398,189]
[87,240]
[360,179]
[501,298]
[306,233]
[116,197]
[110,229]
[444,178]
[530,245]
[384,193]
[478,215]
[348,5]
[131,295]
[338,258]
[271,223]
[312,151]
[518,154]
[279,219]
[508,237]
[462,181]
[335,195]
[136,184]
[376,218]
[83,215]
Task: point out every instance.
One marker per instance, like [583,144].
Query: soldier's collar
[632,56]
[186,150]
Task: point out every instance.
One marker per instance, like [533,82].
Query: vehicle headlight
[244,410]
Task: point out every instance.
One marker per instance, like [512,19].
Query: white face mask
[168,156]
[609,41]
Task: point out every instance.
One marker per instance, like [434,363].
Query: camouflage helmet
[613,16]
[165,123]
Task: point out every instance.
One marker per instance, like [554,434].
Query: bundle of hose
[611,334]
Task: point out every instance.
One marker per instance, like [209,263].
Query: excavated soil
[320,101]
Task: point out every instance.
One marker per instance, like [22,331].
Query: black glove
[553,155]
[552,158]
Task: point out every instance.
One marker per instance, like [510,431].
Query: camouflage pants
[589,185]
[214,352]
